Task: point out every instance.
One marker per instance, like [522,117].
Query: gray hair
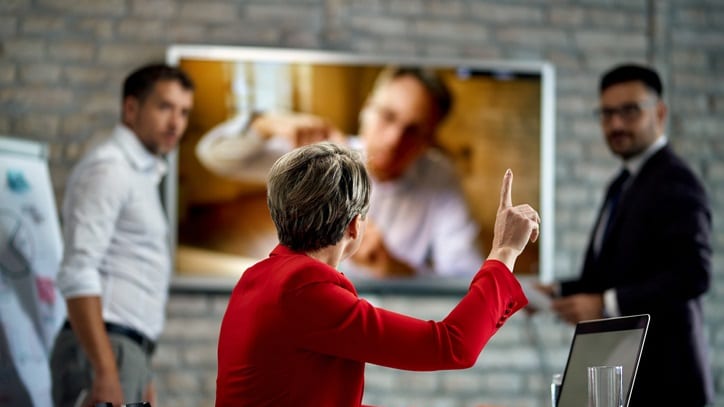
[314,192]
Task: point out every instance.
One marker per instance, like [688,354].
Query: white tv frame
[415,286]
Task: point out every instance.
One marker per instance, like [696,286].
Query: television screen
[501,117]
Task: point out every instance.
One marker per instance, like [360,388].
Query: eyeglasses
[628,112]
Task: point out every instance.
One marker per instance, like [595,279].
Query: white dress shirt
[424,219]
[116,234]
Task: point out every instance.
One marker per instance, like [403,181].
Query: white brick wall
[61,63]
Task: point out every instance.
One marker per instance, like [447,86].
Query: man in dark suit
[650,249]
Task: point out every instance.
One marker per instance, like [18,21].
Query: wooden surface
[242,227]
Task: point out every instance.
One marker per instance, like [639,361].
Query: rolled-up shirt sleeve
[94,199]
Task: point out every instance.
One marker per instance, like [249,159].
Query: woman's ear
[354,229]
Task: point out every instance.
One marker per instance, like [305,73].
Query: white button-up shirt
[116,234]
[424,219]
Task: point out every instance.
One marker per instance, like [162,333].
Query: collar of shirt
[634,164]
[413,176]
[400,183]
[138,156]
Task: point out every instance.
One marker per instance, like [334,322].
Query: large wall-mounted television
[502,117]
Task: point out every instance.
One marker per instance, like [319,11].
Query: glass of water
[605,386]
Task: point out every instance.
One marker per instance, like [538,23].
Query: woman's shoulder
[302,270]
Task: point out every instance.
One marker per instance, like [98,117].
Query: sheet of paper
[536,299]
[81,398]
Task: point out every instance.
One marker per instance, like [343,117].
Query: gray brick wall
[62,61]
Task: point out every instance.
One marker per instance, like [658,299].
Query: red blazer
[296,333]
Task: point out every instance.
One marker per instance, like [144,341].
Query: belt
[140,339]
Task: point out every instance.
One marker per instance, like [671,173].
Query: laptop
[603,342]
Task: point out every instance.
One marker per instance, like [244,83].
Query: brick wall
[62,62]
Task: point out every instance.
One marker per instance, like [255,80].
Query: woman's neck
[330,255]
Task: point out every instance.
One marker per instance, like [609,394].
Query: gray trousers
[71,371]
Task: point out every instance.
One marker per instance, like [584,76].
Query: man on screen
[419,221]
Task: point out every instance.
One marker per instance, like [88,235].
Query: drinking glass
[605,386]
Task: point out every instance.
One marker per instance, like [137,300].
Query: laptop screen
[603,342]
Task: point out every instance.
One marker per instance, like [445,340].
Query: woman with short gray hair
[315,193]
[296,333]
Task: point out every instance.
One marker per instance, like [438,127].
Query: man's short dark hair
[140,82]
[632,73]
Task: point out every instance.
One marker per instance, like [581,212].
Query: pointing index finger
[506,201]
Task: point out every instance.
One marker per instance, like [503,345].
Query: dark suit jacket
[657,256]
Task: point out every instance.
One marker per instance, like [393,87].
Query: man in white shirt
[419,222]
[116,265]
